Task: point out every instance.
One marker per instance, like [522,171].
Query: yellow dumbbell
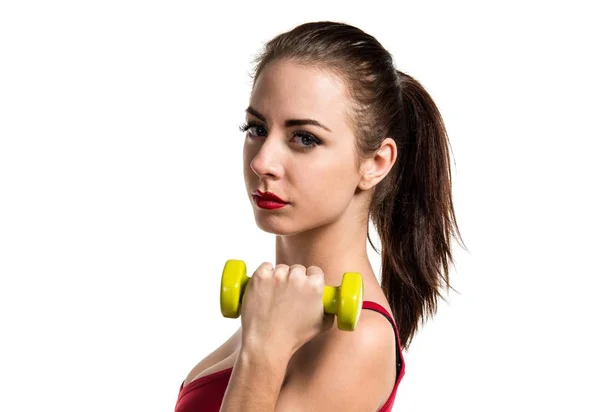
[344,301]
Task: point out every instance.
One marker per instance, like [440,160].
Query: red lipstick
[267,200]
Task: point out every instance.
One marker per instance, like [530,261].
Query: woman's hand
[282,308]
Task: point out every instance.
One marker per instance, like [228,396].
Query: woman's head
[385,155]
[311,148]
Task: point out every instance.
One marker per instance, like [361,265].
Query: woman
[335,135]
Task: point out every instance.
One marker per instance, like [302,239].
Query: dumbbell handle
[330,296]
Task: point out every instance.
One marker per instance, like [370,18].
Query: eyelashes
[304,136]
[245,126]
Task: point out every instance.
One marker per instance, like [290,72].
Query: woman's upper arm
[354,371]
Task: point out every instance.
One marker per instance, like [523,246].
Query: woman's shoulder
[374,331]
[363,360]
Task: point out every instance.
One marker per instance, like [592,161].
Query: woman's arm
[353,371]
[256,380]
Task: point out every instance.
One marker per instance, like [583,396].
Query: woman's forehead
[286,90]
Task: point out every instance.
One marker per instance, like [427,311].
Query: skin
[320,234]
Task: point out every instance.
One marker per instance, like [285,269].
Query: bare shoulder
[349,371]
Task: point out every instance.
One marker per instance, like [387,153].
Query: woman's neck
[335,248]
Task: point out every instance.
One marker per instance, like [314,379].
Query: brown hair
[411,207]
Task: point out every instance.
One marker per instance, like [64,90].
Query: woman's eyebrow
[289,122]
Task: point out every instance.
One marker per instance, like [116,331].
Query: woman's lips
[268,196]
[267,200]
[264,203]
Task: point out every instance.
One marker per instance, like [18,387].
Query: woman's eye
[251,126]
[307,139]
[257,130]
[304,139]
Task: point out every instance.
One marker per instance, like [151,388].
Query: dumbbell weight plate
[350,301]
[233,284]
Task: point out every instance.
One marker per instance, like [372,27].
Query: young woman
[335,135]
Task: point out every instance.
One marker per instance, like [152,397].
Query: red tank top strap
[370,305]
[367,304]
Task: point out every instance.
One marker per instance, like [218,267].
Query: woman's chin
[269,225]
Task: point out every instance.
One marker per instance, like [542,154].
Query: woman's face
[309,166]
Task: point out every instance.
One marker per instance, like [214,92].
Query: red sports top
[206,393]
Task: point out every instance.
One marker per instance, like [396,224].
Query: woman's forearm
[255,382]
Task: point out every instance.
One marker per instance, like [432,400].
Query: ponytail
[415,217]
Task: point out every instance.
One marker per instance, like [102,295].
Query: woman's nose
[267,161]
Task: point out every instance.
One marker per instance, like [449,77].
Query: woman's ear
[375,168]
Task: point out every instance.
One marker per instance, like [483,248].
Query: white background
[122,195]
